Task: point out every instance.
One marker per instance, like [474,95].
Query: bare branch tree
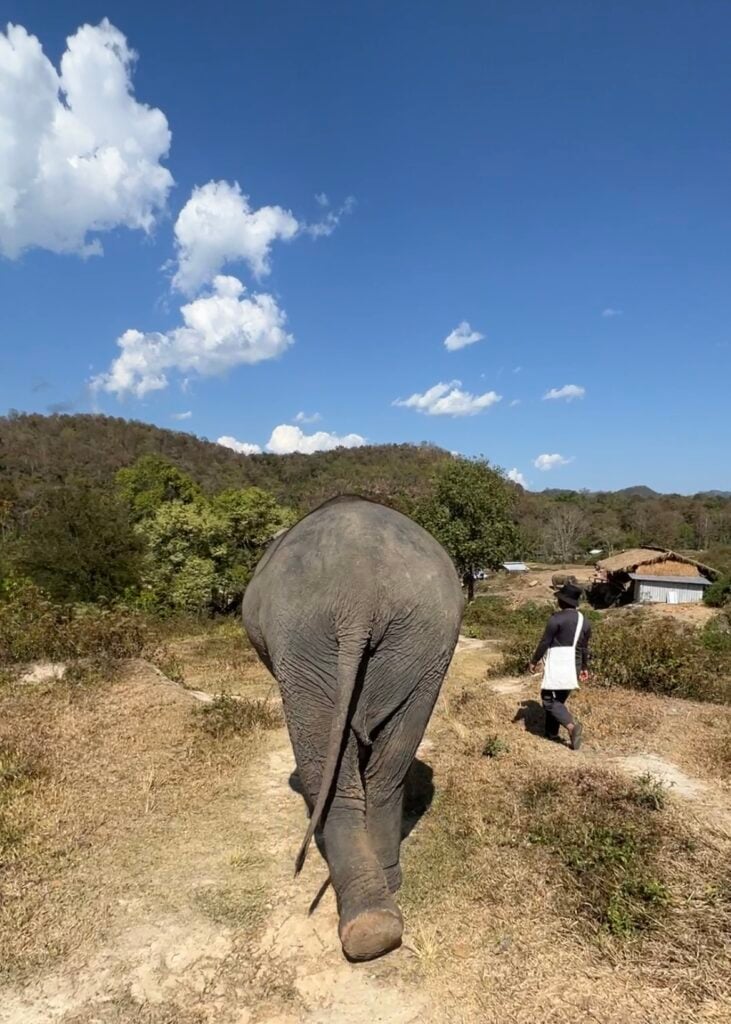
[563,531]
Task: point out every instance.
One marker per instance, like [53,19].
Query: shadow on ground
[531,713]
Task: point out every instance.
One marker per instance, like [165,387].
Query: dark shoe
[576,736]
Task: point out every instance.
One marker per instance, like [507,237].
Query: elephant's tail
[350,654]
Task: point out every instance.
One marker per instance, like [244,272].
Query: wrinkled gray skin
[356,612]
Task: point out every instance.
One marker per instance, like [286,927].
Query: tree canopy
[79,544]
[471,513]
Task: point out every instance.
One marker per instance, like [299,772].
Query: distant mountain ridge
[639,491]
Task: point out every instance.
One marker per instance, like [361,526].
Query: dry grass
[220,659]
[108,794]
[126,1010]
[226,716]
[543,888]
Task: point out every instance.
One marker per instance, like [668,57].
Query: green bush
[32,627]
[716,634]
[79,544]
[659,656]
[201,554]
[719,593]
[519,629]
[495,747]
[489,617]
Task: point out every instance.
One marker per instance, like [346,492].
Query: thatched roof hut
[663,561]
[649,574]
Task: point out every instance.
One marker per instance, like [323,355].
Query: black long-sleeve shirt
[560,632]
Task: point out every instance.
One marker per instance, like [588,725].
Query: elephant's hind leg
[394,749]
[370,921]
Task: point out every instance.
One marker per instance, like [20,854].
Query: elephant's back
[345,530]
[350,542]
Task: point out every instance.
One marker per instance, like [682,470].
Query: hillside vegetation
[37,451]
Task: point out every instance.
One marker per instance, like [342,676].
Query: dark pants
[554,704]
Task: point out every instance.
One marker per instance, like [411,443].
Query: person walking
[565,647]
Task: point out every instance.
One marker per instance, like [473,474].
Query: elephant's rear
[356,611]
[355,561]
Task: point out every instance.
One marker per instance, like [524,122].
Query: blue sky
[556,176]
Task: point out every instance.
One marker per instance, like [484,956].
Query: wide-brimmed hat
[570,594]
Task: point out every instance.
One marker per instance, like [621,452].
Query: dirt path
[304,946]
[212,926]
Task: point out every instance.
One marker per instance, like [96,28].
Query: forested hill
[41,451]
[37,449]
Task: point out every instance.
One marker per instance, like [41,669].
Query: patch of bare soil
[697,615]
[533,586]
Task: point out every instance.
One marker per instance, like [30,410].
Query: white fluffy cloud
[546,462]
[303,417]
[517,477]
[287,438]
[449,400]
[568,391]
[609,312]
[218,226]
[461,337]
[242,447]
[78,153]
[182,415]
[221,330]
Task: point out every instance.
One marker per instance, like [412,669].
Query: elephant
[355,611]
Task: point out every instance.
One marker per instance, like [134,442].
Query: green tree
[201,555]
[185,542]
[79,544]
[152,482]
[250,519]
[471,513]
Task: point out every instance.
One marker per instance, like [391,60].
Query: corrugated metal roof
[699,581]
[515,566]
